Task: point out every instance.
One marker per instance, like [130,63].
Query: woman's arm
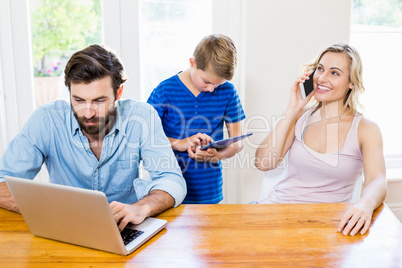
[275,146]
[358,217]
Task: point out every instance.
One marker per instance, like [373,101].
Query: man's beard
[100,122]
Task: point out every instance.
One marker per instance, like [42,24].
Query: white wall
[278,37]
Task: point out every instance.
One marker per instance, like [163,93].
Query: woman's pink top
[313,177]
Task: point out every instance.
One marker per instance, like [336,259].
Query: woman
[329,143]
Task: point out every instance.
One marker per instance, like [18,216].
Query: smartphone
[307,87]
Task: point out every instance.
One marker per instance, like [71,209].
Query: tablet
[223,143]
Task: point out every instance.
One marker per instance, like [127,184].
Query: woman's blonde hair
[351,100]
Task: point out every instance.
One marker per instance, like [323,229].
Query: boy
[193,105]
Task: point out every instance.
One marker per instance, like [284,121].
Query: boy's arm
[234,129]
[199,139]
[158,101]
[213,155]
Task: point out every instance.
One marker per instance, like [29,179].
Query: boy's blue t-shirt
[184,115]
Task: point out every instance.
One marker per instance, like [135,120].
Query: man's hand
[156,202]
[6,199]
[126,213]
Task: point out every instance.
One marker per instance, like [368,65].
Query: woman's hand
[296,101]
[357,218]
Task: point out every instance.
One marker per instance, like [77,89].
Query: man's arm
[6,199]
[154,203]
[25,155]
[167,187]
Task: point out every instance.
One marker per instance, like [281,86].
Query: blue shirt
[184,115]
[52,136]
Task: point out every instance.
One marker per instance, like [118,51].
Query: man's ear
[119,92]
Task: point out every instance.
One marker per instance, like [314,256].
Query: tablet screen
[223,143]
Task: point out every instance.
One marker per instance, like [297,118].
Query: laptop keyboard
[129,235]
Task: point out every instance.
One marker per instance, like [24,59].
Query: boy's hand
[209,155]
[199,139]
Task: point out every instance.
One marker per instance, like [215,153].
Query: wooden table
[293,235]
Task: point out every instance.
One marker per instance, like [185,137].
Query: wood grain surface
[286,235]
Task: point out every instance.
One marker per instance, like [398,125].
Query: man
[97,142]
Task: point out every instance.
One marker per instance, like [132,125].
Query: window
[3,124]
[169,32]
[58,29]
[377,33]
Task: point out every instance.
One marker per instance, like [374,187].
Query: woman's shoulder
[368,130]
[366,124]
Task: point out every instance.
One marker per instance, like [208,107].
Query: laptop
[77,216]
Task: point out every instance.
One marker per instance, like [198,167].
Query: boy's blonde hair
[351,100]
[217,53]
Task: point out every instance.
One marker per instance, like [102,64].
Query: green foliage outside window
[378,12]
[60,27]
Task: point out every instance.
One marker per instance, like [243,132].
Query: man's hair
[93,63]
[218,54]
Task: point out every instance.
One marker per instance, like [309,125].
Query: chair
[357,190]
[272,177]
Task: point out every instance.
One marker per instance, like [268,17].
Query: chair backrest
[357,190]
[273,176]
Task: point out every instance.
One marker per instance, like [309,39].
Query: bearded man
[97,142]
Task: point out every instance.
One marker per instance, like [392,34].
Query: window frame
[16,66]
[120,32]
[3,121]
[393,162]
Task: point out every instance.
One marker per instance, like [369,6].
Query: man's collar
[119,125]
[75,127]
